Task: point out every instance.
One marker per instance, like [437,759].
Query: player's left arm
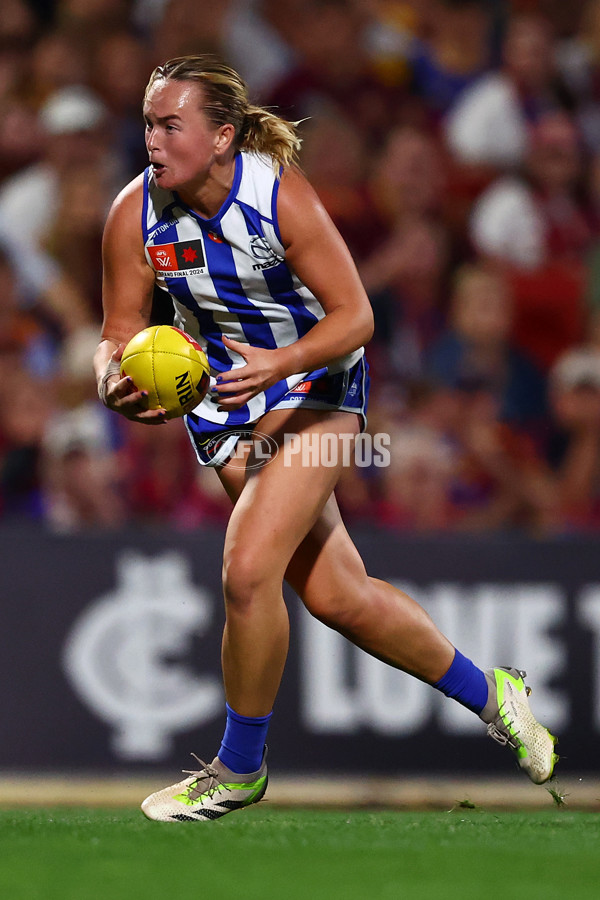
[317,253]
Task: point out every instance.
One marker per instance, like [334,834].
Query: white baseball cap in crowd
[71,109]
[579,367]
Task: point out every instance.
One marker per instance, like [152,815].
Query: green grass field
[268,853]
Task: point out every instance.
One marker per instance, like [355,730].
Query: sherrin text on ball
[170,366]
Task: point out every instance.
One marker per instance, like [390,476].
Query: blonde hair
[226,103]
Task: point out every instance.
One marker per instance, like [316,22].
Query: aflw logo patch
[181,256]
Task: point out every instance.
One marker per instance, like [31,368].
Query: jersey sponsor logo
[165,226]
[182,256]
[264,253]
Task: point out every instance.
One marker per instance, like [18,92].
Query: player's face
[180,140]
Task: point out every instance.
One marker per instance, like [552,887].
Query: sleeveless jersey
[228,275]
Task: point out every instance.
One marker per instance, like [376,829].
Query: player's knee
[244,577]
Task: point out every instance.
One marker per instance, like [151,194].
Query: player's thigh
[326,569]
[280,501]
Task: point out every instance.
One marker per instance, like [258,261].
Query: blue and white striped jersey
[228,275]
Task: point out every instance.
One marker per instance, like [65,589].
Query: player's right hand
[122,396]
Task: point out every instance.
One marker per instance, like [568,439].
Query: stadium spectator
[336,70]
[186,26]
[57,60]
[499,480]
[573,449]
[164,485]
[541,227]
[477,348]
[118,72]
[73,239]
[451,452]
[20,136]
[89,20]
[24,412]
[79,486]
[18,35]
[403,274]
[30,200]
[390,35]
[415,488]
[19,132]
[334,157]
[22,331]
[489,123]
[578,56]
[256,35]
[260,40]
[454,54]
[531,219]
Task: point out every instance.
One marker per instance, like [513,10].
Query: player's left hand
[263,368]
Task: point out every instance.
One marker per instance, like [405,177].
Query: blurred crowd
[455,143]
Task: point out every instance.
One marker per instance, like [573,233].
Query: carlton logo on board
[127,656]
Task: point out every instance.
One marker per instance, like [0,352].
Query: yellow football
[170,366]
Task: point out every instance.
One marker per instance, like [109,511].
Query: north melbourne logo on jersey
[182,257]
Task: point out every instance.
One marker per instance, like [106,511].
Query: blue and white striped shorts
[345,391]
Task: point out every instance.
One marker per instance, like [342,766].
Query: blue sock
[243,743]
[464,682]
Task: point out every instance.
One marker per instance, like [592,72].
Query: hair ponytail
[265,132]
[226,102]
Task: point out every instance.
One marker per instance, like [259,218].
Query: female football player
[225,222]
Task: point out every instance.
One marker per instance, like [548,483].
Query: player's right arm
[127,289]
